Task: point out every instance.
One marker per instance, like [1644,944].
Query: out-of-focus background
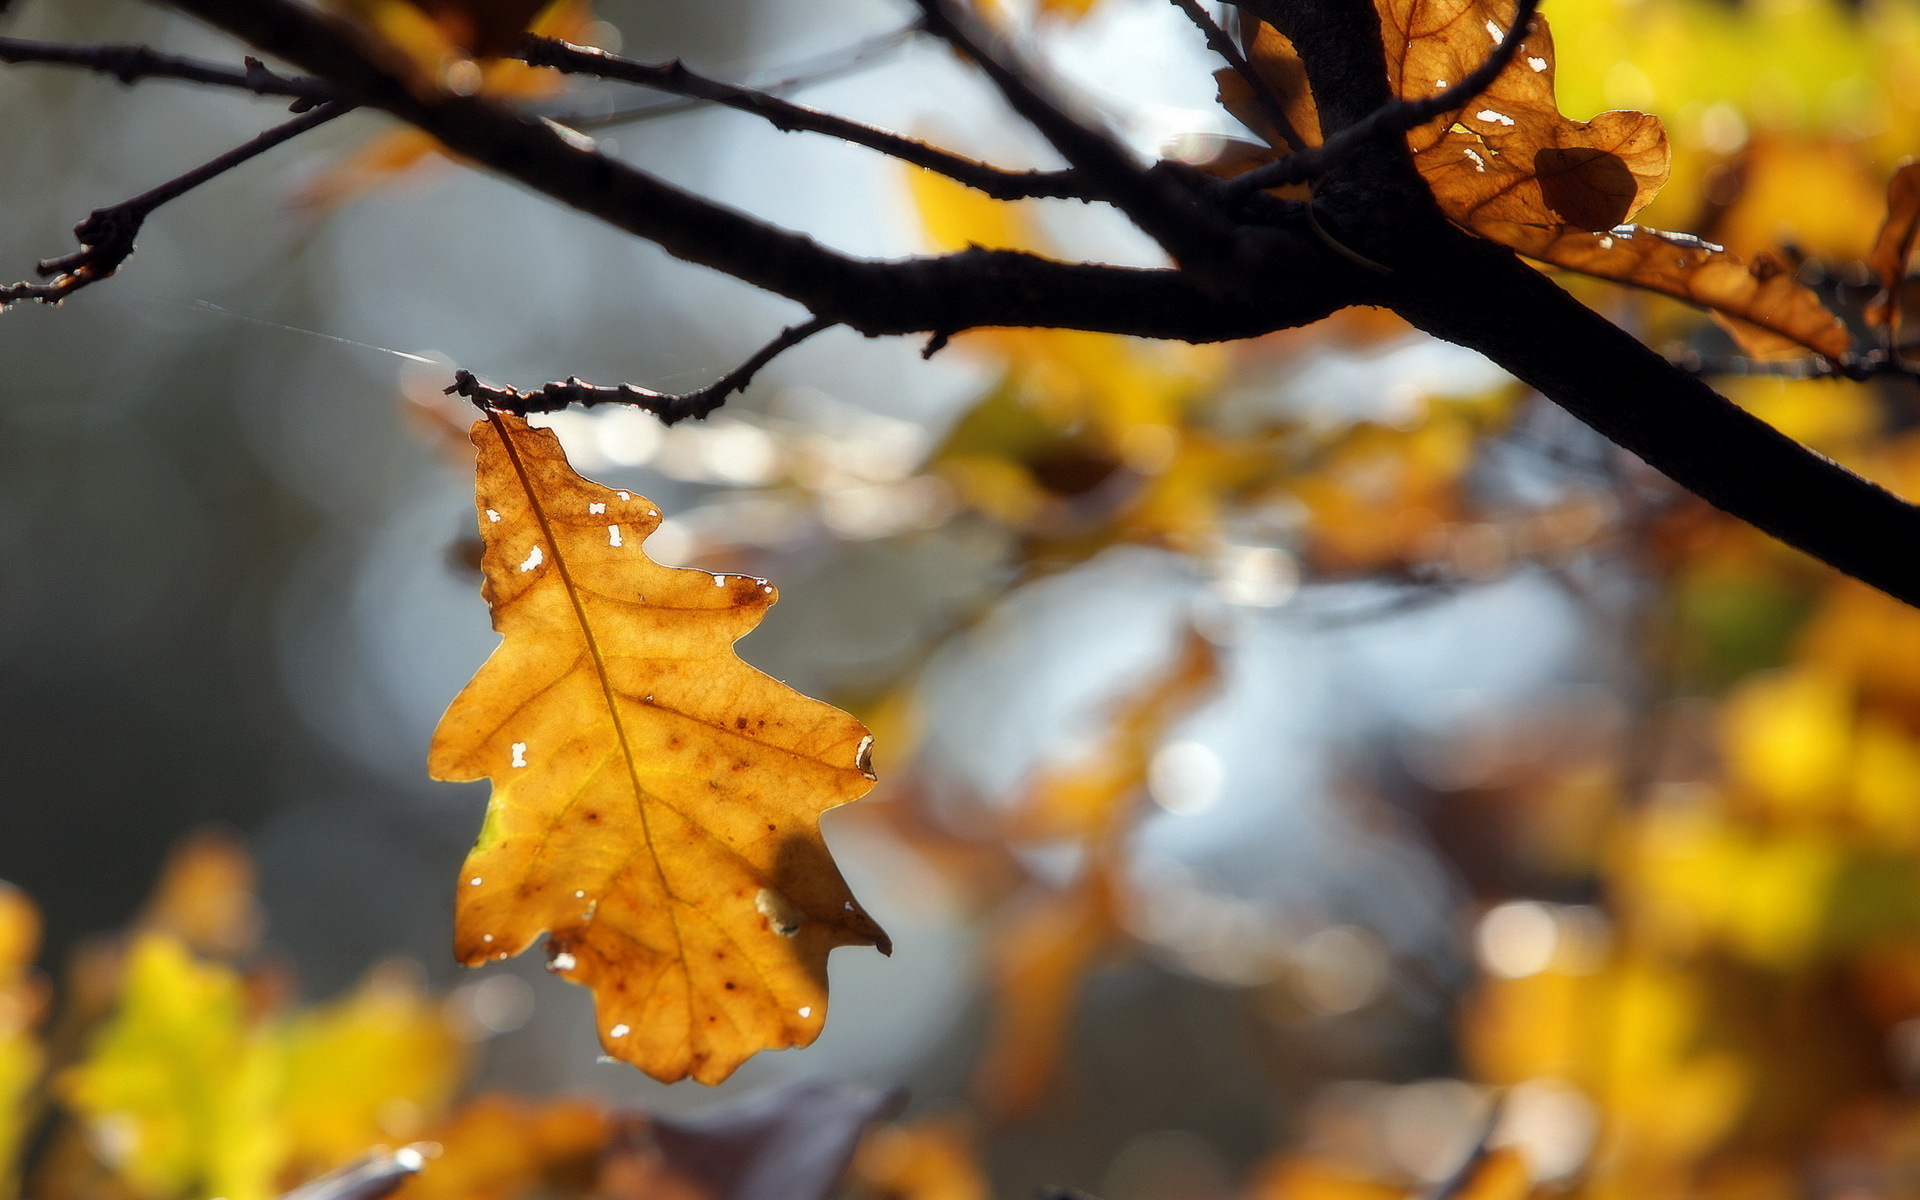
[1287,749]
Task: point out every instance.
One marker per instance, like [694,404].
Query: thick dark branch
[668,406]
[1480,295]
[1222,45]
[924,295]
[131,63]
[107,235]
[1388,120]
[1198,238]
[675,78]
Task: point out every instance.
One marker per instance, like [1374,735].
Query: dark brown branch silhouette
[106,237]
[130,64]
[1243,270]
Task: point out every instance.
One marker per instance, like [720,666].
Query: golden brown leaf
[1510,167]
[1894,246]
[1509,155]
[656,800]
[1273,58]
[1766,308]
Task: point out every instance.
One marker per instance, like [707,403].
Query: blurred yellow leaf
[500,1147]
[378,1065]
[22,1000]
[933,1159]
[179,1091]
[1788,738]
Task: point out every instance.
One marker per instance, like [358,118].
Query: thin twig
[1856,367]
[129,64]
[1222,45]
[669,407]
[1198,238]
[106,237]
[804,73]
[368,1178]
[1395,118]
[788,117]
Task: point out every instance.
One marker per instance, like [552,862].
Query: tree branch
[669,407]
[129,64]
[673,77]
[106,237]
[1198,238]
[818,69]
[920,295]
[1479,294]
[1453,285]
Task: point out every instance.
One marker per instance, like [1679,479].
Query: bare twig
[106,236]
[1198,238]
[129,64]
[1870,365]
[788,117]
[1389,119]
[669,407]
[367,1178]
[1222,45]
[818,69]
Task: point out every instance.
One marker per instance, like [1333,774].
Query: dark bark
[1280,269]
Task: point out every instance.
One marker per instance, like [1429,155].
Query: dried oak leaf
[1509,155]
[655,800]
[1511,168]
[1767,310]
